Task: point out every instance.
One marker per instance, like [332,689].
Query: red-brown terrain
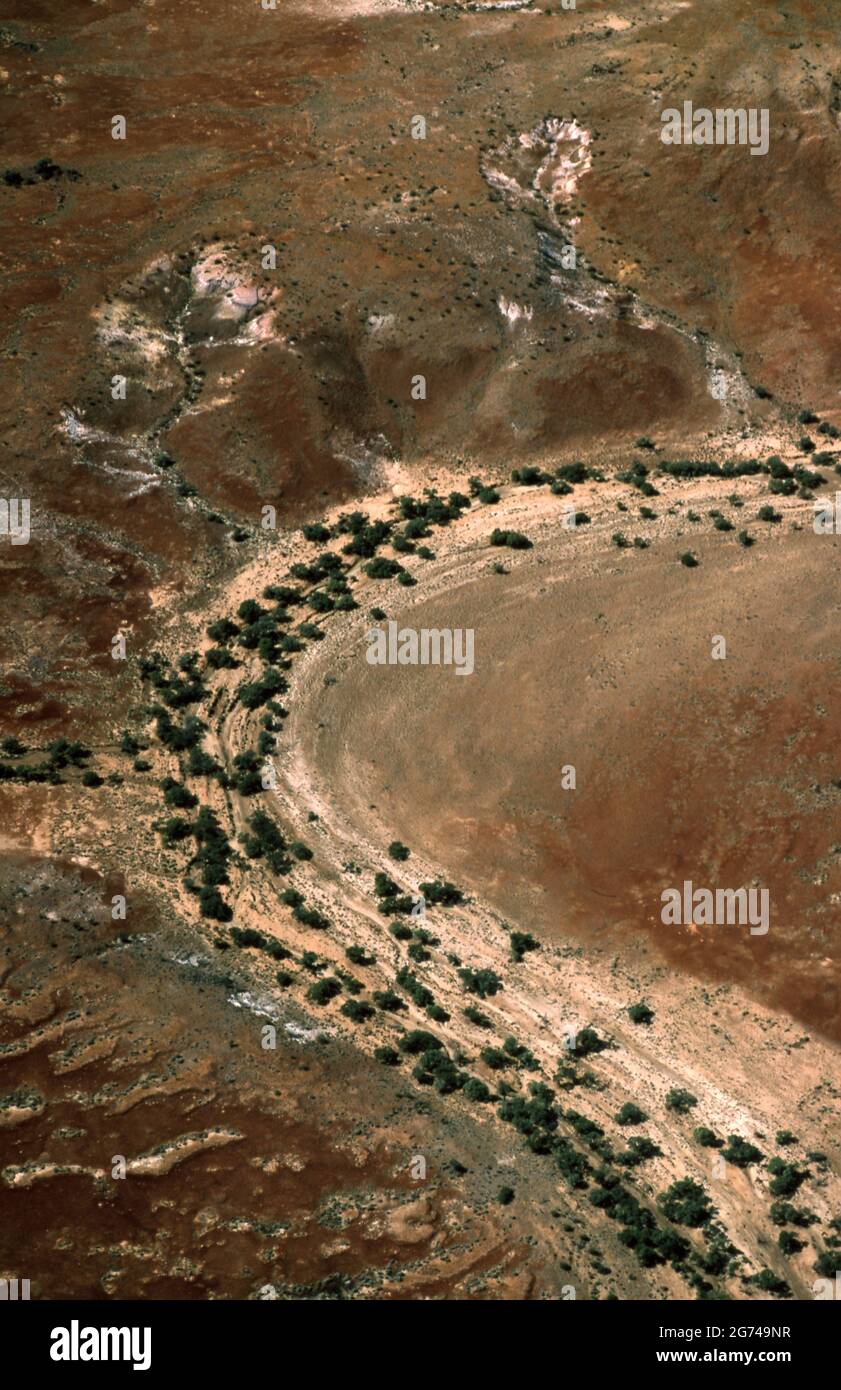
[212,332]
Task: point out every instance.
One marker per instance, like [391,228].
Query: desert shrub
[630,1114]
[784,1214]
[398,851]
[692,468]
[505,1196]
[357,955]
[529,476]
[174,829]
[382,568]
[441,893]
[640,1013]
[391,906]
[349,982]
[706,1138]
[680,1100]
[787,1178]
[201,764]
[476,1090]
[357,1010]
[688,559]
[789,1243]
[514,540]
[384,886]
[640,1149]
[253,694]
[520,1054]
[477,1017]
[419,1040]
[769,1282]
[521,942]
[572,1165]
[686,1203]
[387,1000]
[588,1042]
[485,983]
[572,472]
[436,1068]
[322,991]
[740,1152]
[495,1058]
[387,1056]
[213,905]
[282,594]
[179,737]
[320,602]
[310,917]
[176,794]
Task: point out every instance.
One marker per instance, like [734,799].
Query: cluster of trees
[59,754]
[211,858]
[248,937]
[651,1243]
[440,893]
[561,481]
[267,841]
[485,492]
[638,477]
[421,995]
[178,687]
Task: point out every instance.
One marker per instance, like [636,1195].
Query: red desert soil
[286,383]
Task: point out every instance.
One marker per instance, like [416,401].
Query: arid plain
[237,1058]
